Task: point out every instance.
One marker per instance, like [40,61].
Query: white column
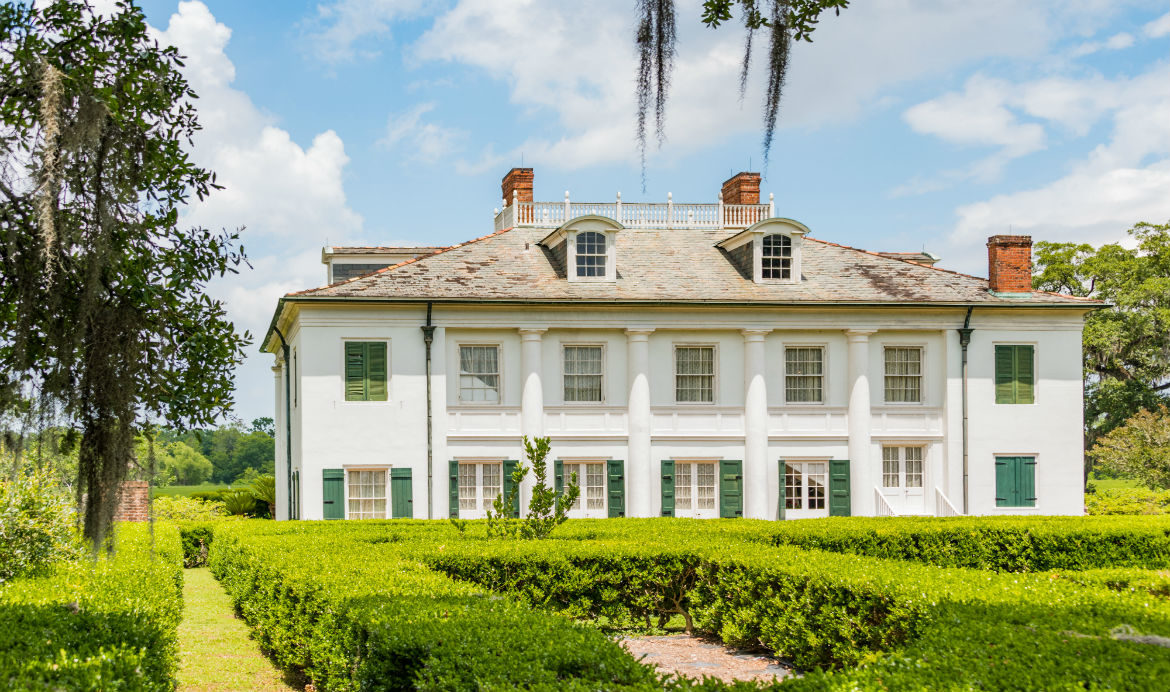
[532,397]
[861,476]
[755,439]
[640,476]
[282,497]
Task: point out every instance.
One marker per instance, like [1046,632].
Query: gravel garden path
[695,657]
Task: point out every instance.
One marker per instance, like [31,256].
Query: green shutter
[333,494]
[558,476]
[1025,375]
[509,467]
[839,498]
[401,494]
[1004,375]
[376,371]
[1005,481]
[355,371]
[668,487]
[1026,473]
[782,495]
[730,489]
[453,490]
[616,469]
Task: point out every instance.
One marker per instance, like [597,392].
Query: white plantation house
[690,360]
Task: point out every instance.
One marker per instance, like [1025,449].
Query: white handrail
[882,505]
[943,506]
[633,214]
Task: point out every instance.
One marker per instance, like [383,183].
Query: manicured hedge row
[350,611]
[109,625]
[1005,544]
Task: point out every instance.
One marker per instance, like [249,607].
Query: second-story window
[591,254]
[365,371]
[804,374]
[583,373]
[694,374]
[903,374]
[479,374]
[776,260]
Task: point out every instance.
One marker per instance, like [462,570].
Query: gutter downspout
[964,341]
[287,417]
[428,331]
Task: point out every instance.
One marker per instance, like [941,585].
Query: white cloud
[425,141]
[340,27]
[287,197]
[1158,28]
[1118,41]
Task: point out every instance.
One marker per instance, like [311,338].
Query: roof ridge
[403,263]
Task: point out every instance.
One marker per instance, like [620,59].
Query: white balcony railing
[636,215]
[882,506]
[943,506]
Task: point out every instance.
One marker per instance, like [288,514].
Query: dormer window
[591,254]
[776,262]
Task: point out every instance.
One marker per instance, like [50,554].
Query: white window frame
[795,239]
[610,255]
[923,383]
[582,511]
[389,371]
[693,512]
[803,512]
[824,347]
[714,373]
[482,502]
[604,365]
[386,512]
[1035,374]
[499,372]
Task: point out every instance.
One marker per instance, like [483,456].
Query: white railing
[943,506]
[882,505]
[635,215]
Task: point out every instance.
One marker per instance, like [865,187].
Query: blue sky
[907,124]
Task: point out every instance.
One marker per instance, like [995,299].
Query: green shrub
[110,624]
[1128,501]
[37,527]
[196,540]
[179,508]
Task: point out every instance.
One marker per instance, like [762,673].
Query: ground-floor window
[591,478]
[366,493]
[695,489]
[805,489]
[1015,481]
[480,482]
[902,477]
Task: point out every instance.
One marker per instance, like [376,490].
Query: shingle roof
[677,266]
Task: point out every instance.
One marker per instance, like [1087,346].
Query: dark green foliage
[196,539]
[105,625]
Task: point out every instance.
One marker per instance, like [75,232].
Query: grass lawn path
[214,646]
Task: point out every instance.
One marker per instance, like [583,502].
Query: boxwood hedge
[109,625]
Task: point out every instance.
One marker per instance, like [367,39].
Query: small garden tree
[1139,449]
[547,508]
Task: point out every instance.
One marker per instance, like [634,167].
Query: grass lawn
[214,646]
[1112,483]
[187,490]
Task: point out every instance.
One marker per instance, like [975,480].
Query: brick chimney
[519,180]
[742,188]
[1009,263]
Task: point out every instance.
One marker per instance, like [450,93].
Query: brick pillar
[133,501]
[520,181]
[1009,263]
[742,188]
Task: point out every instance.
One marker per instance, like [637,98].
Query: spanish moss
[656,38]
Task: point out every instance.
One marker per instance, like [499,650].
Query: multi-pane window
[583,373]
[591,480]
[694,488]
[365,371]
[776,260]
[367,494]
[694,374]
[804,485]
[901,467]
[903,374]
[1015,380]
[479,374]
[590,254]
[479,485]
[804,374]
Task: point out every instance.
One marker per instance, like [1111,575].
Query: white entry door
[479,484]
[902,479]
[695,489]
[806,489]
[591,479]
